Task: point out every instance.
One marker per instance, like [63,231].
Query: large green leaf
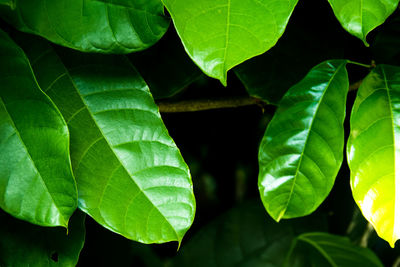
[36,181]
[373,150]
[220,34]
[23,244]
[131,177]
[302,149]
[119,26]
[323,249]
[359,17]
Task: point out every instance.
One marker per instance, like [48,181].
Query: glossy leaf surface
[373,151]
[323,249]
[36,181]
[220,34]
[131,177]
[24,244]
[92,26]
[359,17]
[302,149]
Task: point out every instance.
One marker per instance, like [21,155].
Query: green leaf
[219,35]
[23,244]
[174,70]
[36,182]
[118,26]
[302,149]
[359,17]
[131,177]
[373,150]
[323,249]
[244,236]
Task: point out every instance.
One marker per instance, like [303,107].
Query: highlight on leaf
[373,150]
[302,149]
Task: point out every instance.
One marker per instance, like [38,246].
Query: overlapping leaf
[23,244]
[245,237]
[302,149]
[220,34]
[131,177]
[36,181]
[323,249]
[118,26]
[359,17]
[373,151]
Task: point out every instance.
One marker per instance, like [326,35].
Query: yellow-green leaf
[359,17]
[373,151]
[220,34]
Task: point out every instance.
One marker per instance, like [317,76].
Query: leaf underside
[220,34]
[302,149]
[359,17]
[373,150]
[103,26]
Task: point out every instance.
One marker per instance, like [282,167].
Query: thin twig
[208,104]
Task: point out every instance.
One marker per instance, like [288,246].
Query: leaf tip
[365,41]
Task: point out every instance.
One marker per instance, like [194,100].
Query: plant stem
[207,104]
[372,65]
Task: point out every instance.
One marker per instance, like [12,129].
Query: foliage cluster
[81,133]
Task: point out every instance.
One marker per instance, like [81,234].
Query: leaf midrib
[319,248]
[394,144]
[282,213]
[111,147]
[31,159]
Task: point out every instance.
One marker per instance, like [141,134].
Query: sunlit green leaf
[322,249]
[359,17]
[119,26]
[36,181]
[302,149]
[373,150]
[131,177]
[220,34]
[23,244]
